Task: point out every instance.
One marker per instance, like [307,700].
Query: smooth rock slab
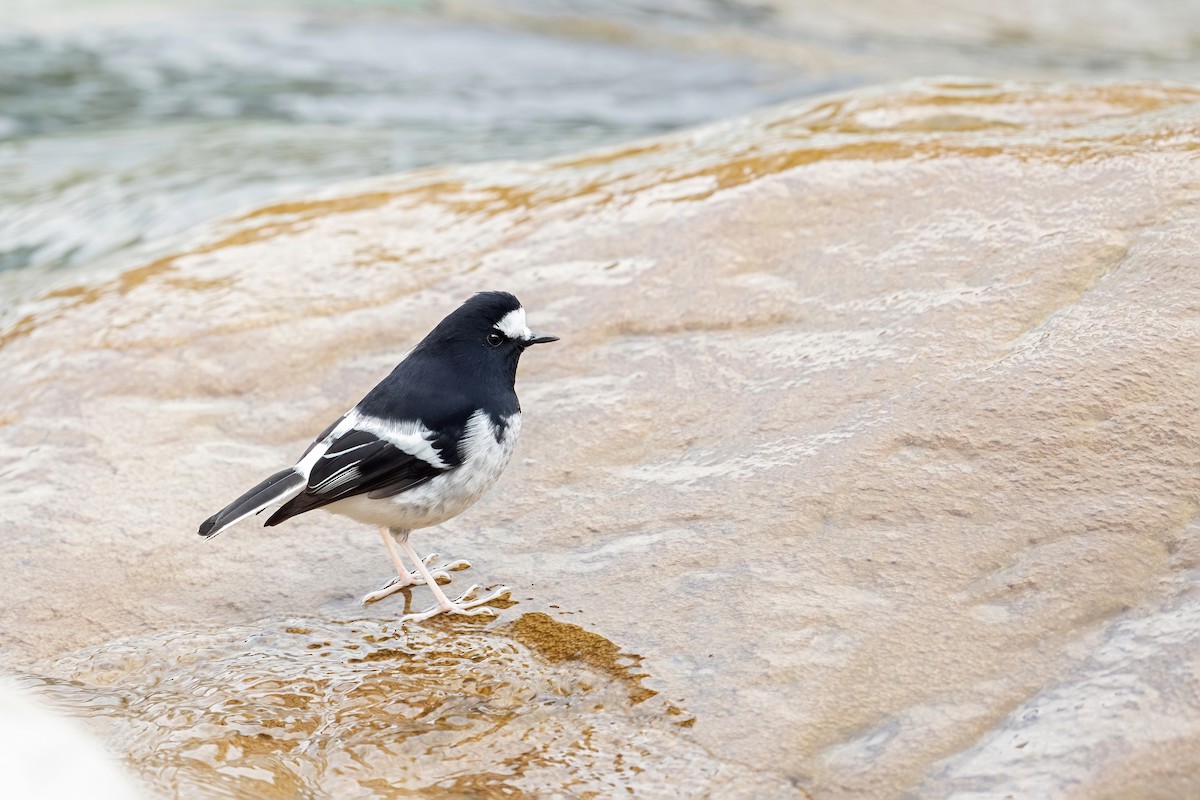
[873,427]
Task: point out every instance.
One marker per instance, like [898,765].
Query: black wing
[357,462]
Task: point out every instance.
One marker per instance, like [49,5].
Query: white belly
[484,458]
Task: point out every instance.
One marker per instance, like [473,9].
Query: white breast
[484,451]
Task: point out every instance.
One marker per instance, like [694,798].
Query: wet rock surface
[872,431]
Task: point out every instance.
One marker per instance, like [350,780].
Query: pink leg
[404,578]
[445,604]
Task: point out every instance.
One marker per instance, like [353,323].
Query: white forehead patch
[513,325]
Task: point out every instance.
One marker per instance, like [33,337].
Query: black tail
[279,488]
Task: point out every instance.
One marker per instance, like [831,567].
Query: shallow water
[341,708]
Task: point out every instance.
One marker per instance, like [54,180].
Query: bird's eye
[494,339]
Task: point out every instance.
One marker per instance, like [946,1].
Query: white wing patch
[410,436]
[514,326]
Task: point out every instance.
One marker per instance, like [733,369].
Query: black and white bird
[420,448]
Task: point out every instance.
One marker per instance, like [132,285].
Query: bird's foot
[460,605]
[406,579]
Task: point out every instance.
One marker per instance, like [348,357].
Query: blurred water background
[124,123]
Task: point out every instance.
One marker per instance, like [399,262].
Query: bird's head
[488,332]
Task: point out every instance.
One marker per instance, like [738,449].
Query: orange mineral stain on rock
[561,641]
[309,209]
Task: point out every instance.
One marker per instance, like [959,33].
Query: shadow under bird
[419,449]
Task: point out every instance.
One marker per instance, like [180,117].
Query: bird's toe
[465,600]
[394,585]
